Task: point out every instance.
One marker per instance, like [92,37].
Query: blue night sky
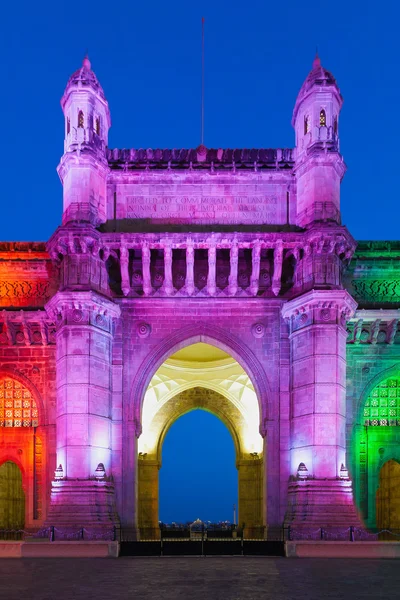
[147,57]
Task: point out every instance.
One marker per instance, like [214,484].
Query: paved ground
[233,578]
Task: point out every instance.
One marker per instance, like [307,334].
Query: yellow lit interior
[201,365]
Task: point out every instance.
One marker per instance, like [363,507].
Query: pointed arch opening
[201,376]
[322,118]
[376,440]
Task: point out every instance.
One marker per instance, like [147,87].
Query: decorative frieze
[26,328]
[374,327]
[377,290]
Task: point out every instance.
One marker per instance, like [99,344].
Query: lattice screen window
[17,407]
[383,405]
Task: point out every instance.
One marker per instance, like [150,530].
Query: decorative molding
[80,308]
[258,330]
[377,290]
[319,306]
[143,329]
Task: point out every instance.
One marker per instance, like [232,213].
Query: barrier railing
[287,533]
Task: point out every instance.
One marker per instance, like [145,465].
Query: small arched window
[17,406]
[322,118]
[306,124]
[97,125]
[335,130]
[80,119]
[68,125]
[382,408]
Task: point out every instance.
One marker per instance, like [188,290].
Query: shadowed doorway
[12,497]
[388,496]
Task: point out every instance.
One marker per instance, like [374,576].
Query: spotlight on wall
[344,472]
[142,454]
[302,471]
[59,473]
[100,472]
[254,454]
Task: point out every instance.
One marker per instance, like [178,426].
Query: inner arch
[198,478]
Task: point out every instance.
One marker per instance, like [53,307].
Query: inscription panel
[203,204]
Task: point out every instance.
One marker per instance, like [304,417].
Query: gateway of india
[220,279]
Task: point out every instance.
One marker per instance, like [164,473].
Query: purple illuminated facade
[158,249]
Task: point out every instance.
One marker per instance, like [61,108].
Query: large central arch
[223,388]
[201,333]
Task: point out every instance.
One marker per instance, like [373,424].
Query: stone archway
[12,497]
[222,388]
[376,440]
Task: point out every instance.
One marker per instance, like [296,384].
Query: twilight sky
[147,58]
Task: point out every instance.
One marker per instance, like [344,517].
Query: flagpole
[202,81]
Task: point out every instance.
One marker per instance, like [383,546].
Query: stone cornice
[380,313]
[339,300]
[86,157]
[200,158]
[65,302]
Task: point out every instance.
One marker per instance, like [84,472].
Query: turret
[319,165]
[83,167]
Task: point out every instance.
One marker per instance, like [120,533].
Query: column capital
[82,308]
[319,307]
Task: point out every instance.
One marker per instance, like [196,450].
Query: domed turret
[319,165]
[316,112]
[87,116]
[83,168]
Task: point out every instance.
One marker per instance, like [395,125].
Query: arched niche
[249,465]
[375,440]
[22,439]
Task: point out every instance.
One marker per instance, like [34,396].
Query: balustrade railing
[239,274]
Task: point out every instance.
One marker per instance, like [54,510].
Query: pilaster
[320,489]
[84,332]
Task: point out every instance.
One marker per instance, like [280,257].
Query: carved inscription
[205,209]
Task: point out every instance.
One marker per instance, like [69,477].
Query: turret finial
[317,62]
[86,63]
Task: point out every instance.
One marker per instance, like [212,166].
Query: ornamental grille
[17,407]
[383,405]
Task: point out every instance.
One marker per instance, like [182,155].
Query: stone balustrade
[218,264]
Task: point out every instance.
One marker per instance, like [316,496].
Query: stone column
[211,285]
[233,275]
[146,269]
[277,275]
[189,283]
[317,495]
[255,271]
[124,264]
[168,286]
[82,494]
